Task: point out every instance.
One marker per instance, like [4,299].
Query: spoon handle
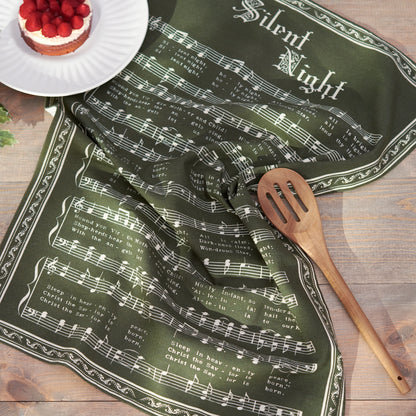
[343,292]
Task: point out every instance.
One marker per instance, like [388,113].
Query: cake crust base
[57,50]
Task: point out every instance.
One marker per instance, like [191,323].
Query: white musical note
[60,325]
[236,65]
[86,334]
[89,253]
[242,401]
[73,329]
[190,383]
[229,329]
[64,271]
[226,399]
[117,355]
[99,344]
[227,264]
[101,258]
[178,36]
[206,392]
[84,276]
[97,282]
[74,246]
[136,366]
[125,299]
[113,288]
[163,373]
[122,268]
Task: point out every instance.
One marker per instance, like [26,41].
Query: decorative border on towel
[333,404]
[33,203]
[355,33]
[94,374]
[398,148]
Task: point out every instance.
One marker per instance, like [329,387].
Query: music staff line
[174,141]
[96,186]
[243,163]
[258,235]
[280,120]
[121,140]
[240,269]
[175,218]
[150,285]
[122,218]
[150,311]
[218,114]
[295,132]
[246,211]
[134,147]
[138,364]
[258,83]
[137,276]
[169,218]
[169,76]
[252,271]
[100,155]
[164,188]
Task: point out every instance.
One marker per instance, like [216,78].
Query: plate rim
[44,92]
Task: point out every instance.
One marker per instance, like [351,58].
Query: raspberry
[33,22]
[54,6]
[83,10]
[57,21]
[49,30]
[46,17]
[67,9]
[26,8]
[42,5]
[64,29]
[77,22]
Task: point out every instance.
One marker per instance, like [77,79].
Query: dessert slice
[54,27]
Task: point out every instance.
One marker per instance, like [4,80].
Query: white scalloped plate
[117,32]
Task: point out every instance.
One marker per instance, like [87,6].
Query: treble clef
[51,265]
[79,204]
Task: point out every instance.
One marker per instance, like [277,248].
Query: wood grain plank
[371,231]
[391,309]
[18,162]
[393,21]
[10,196]
[367,408]
[24,378]
[88,408]
[380,408]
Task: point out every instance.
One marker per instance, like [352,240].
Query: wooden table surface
[370,233]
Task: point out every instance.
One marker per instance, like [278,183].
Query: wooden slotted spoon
[289,203]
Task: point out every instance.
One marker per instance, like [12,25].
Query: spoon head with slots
[289,203]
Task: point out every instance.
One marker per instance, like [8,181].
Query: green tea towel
[139,256]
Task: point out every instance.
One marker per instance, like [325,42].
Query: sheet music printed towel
[139,257]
